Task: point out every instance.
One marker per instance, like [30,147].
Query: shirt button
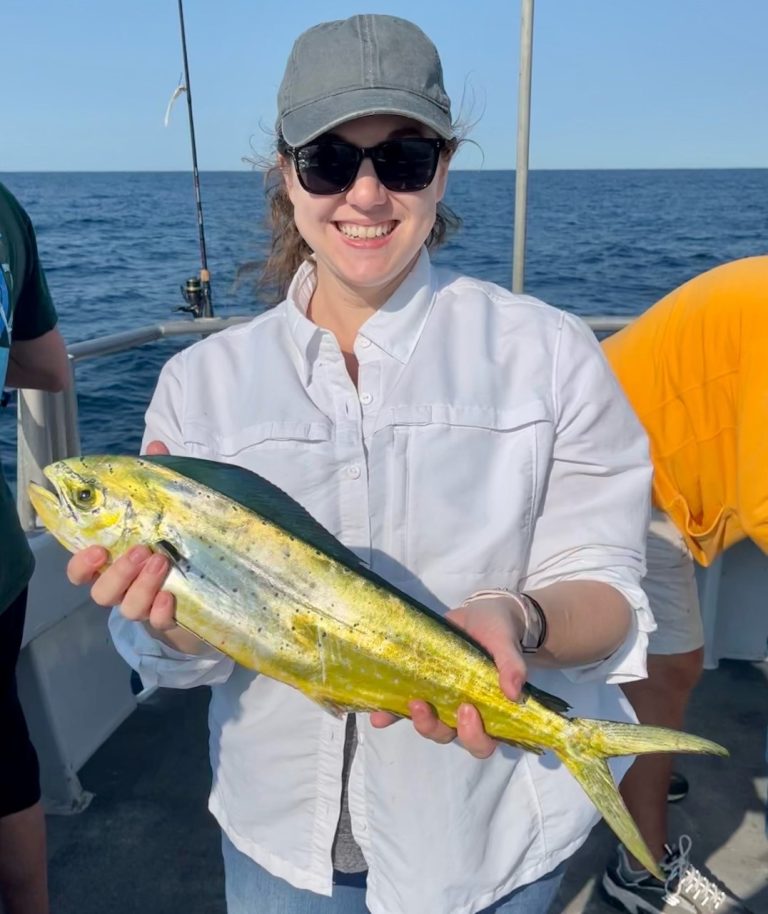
[353,471]
[364,343]
[365,399]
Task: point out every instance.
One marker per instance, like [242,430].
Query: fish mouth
[46,504]
[54,512]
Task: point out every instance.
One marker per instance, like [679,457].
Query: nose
[366,191]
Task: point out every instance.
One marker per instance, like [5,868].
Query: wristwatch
[535,633]
[534,621]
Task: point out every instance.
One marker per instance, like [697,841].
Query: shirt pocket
[293,455]
[465,485]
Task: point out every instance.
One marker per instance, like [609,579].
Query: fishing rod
[196,291]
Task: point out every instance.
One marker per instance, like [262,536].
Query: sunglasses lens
[330,167]
[407,164]
[327,168]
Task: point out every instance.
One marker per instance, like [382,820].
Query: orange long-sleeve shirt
[695,369]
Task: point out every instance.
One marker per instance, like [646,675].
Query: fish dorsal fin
[263,497]
[270,502]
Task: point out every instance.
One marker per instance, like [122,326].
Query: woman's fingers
[381,719]
[134,581]
[141,593]
[162,615]
[428,724]
[112,584]
[156,447]
[471,732]
[84,566]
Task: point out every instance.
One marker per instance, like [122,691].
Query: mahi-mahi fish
[256,576]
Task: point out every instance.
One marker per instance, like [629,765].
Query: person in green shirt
[32,354]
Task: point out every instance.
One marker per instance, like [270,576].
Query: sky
[616,83]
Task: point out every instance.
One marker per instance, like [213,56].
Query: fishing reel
[194,295]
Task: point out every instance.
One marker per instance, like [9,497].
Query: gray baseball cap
[354,67]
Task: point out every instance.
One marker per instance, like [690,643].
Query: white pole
[523,143]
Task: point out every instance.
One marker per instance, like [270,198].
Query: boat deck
[147,845]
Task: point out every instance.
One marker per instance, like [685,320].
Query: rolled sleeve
[593,520]
[160,665]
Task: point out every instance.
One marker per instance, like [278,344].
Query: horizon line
[60,171]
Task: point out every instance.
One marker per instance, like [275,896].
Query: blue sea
[117,246]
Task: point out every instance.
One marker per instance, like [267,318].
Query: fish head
[100,501]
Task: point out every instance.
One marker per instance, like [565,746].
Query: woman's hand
[494,623]
[134,581]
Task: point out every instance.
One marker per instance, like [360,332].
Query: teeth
[365,231]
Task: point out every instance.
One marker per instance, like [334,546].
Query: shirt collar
[395,328]
[306,335]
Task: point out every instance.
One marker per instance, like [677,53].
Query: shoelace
[688,881]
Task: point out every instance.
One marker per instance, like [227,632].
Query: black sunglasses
[328,166]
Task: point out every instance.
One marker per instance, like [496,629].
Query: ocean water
[117,246]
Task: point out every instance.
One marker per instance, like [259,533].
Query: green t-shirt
[26,312]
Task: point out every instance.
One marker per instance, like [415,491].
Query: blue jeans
[252,890]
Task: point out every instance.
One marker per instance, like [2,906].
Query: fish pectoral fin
[551,702]
[191,573]
[180,562]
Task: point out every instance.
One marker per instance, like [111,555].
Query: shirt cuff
[158,664]
[628,662]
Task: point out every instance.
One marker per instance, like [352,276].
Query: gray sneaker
[685,891]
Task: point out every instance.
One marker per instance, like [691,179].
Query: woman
[470,445]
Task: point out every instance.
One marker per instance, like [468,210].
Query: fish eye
[85,496]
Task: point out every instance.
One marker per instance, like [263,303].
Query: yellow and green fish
[257,577]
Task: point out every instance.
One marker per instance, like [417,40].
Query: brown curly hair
[288,250]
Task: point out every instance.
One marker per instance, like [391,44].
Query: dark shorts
[19,770]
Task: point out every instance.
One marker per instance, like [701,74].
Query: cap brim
[310,121]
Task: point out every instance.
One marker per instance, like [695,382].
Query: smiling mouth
[365,232]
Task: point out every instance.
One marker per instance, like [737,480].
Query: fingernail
[138,554]
[156,564]
[465,713]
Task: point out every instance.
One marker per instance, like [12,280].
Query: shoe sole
[623,899]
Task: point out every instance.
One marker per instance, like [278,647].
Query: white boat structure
[77,691]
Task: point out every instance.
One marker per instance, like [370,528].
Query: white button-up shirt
[486,445]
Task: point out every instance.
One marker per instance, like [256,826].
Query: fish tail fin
[587,745]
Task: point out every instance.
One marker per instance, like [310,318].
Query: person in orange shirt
[694,368]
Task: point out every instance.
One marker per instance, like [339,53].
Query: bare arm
[40,363]
[586,622]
